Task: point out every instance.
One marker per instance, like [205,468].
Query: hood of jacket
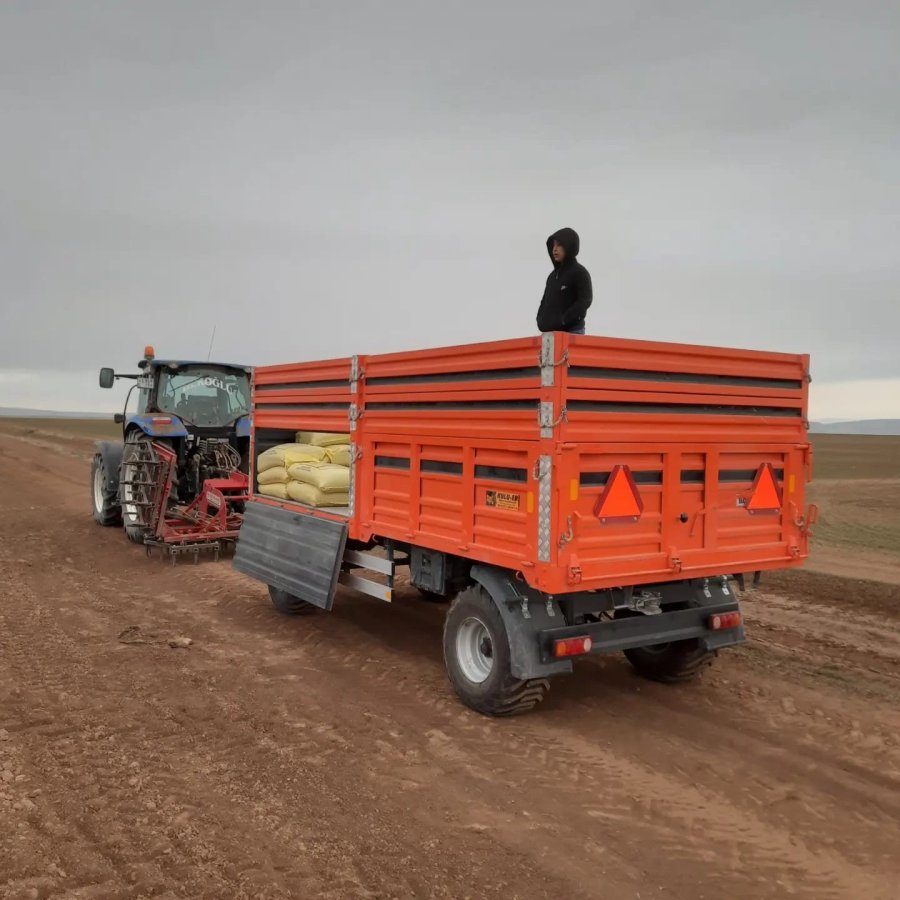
[567,238]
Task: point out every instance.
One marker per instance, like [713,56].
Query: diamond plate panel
[546,419]
[548,358]
[545,494]
[352,503]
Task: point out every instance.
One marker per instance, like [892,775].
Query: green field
[89,428]
[856,485]
[845,456]
[835,456]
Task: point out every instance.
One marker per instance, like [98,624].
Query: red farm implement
[210,521]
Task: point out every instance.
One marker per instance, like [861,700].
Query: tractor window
[204,396]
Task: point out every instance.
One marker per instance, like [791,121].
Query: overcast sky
[327,178]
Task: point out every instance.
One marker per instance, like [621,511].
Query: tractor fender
[158,425]
[111,454]
[511,596]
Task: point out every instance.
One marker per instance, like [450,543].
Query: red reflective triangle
[766,497]
[621,498]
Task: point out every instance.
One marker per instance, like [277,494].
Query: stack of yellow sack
[322,438]
[315,471]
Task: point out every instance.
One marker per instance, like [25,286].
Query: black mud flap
[295,551]
[526,613]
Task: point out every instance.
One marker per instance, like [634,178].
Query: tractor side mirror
[119,418]
[107,378]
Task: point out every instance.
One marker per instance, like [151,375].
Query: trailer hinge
[808,376]
[355,414]
[569,536]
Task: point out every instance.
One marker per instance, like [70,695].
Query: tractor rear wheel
[107,511]
[478,659]
[138,486]
[288,604]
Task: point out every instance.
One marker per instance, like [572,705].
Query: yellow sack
[286,455]
[274,490]
[312,496]
[322,476]
[322,438]
[338,454]
[276,475]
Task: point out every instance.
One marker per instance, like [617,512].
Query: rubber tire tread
[432,596]
[683,661]
[501,695]
[135,533]
[289,605]
[111,513]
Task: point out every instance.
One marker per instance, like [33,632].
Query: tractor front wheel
[107,511]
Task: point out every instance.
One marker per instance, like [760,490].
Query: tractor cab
[197,397]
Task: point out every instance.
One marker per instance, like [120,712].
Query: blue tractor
[192,414]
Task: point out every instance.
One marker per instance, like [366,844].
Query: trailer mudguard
[111,454]
[526,613]
[297,552]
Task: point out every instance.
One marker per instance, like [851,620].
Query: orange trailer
[572,494]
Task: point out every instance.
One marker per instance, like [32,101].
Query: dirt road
[326,757]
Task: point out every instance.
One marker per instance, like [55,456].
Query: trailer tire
[289,605]
[477,658]
[107,511]
[673,663]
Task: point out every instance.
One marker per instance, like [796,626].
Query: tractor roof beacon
[177,479]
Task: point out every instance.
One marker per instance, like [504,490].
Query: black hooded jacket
[568,293]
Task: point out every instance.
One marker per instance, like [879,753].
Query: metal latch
[545,417]
[548,360]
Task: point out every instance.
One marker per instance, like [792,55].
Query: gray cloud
[328,178]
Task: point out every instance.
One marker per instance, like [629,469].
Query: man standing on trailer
[568,293]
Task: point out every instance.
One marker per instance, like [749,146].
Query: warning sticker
[502,500]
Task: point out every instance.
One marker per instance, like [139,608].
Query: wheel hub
[475,650]
[99,484]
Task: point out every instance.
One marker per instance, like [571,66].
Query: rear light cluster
[576,646]
[721,621]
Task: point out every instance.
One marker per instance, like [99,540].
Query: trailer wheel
[107,511]
[672,663]
[288,604]
[477,658]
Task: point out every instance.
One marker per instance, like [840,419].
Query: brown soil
[325,756]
